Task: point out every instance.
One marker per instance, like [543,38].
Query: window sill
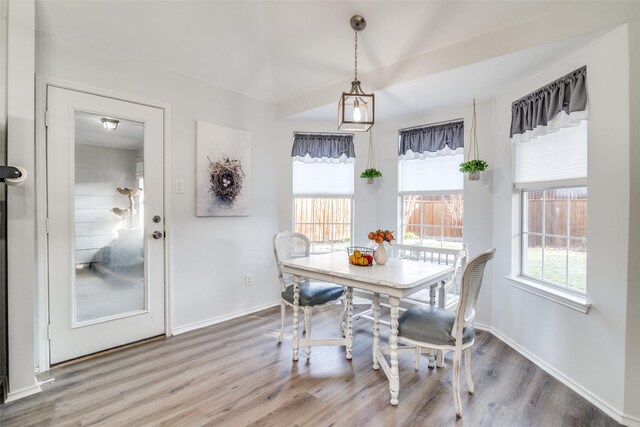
[567,299]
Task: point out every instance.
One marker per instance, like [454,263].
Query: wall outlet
[248,279]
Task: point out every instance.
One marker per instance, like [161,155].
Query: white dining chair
[313,294]
[435,328]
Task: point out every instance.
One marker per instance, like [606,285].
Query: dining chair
[436,328]
[313,294]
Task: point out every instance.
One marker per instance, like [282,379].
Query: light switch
[179,186]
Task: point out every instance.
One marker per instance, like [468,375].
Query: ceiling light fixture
[110,124]
[356,109]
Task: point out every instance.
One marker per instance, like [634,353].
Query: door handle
[157,235]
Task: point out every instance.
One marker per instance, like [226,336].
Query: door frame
[42,256]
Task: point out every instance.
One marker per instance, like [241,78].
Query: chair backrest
[286,245]
[469,291]
[455,257]
[459,263]
[425,253]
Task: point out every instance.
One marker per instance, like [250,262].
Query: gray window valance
[433,140]
[323,148]
[532,114]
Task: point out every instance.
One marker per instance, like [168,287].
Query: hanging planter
[371,173]
[474,165]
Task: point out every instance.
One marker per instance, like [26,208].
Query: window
[554,236]
[432,220]
[323,186]
[551,176]
[431,202]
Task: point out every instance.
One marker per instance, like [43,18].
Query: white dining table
[396,279]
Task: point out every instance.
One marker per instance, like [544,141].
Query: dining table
[397,279]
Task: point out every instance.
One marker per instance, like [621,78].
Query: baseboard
[630,421]
[596,401]
[214,320]
[22,393]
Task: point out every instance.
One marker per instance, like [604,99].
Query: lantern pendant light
[356,109]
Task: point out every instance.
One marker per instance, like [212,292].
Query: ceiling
[276,50]
[90,131]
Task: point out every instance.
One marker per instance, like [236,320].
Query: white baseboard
[593,399]
[630,421]
[22,393]
[212,321]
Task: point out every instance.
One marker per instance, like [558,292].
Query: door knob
[157,235]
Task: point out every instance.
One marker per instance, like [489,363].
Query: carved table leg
[296,313]
[394,381]
[376,329]
[349,298]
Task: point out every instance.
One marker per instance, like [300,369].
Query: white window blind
[560,156]
[323,179]
[441,173]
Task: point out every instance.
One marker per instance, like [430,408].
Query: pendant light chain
[355,56]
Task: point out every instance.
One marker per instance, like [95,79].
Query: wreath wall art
[223,168]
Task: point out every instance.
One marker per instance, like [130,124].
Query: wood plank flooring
[236,374]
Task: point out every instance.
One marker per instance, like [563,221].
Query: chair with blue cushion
[436,328]
[313,294]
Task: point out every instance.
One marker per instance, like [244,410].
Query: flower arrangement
[380,236]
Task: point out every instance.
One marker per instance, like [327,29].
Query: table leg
[349,298]
[376,329]
[296,313]
[394,380]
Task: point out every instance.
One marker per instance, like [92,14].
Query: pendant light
[356,108]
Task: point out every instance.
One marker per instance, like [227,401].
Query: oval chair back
[286,245]
[469,291]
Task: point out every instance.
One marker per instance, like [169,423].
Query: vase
[380,255]
[474,176]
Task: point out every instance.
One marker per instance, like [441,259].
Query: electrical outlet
[248,279]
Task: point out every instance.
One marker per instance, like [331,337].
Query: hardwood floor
[236,374]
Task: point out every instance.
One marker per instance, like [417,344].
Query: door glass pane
[109,217]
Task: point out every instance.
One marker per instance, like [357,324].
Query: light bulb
[357,113]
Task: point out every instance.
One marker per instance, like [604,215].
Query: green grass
[555,267]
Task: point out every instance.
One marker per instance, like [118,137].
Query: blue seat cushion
[314,293]
[431,325]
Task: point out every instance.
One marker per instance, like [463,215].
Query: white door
[105,222]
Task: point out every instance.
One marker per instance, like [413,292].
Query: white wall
[365,195]
[477,195]
[588,350]
[209,256]
[21,254]
[632,363]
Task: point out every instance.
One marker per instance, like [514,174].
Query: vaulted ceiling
[278,51]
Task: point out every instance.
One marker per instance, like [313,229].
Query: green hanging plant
[371,173]
[474,166]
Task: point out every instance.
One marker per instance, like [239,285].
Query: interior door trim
[40,174]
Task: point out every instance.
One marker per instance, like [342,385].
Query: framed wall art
[223,171]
